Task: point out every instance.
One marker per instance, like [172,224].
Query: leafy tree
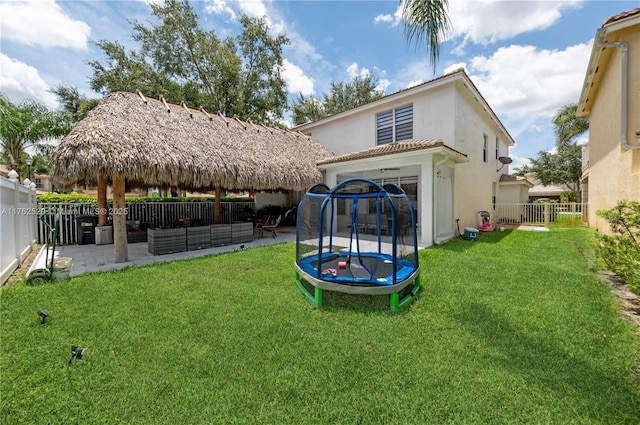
[426,21]
[561,168]
[567,125]
[26,124]
[181,61]
[342,96]
[564,167]
[75,105]
[307,109]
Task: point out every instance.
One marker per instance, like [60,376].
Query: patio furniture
[271,227]
[259,225]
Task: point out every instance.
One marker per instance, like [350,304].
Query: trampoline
[359,238]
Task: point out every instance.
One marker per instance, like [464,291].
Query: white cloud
[219,7]
[19,82]
[42,23]
[488,21]
[383,85]
[525,81]
[386,18]
[297,81]
[353,71]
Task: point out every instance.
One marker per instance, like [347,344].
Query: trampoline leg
[318,293]
[315,298]
[393,301]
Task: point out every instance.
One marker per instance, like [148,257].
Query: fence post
[546,214]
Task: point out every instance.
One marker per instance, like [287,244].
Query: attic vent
[164,102]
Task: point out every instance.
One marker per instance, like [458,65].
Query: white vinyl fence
[18,217]
[540,213]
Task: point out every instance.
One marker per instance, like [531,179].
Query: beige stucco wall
[614,172]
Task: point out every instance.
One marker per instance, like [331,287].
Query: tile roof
[388,149]
[621,16]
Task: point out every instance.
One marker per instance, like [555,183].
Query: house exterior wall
[475,179]
[432,119]
[449,110]
[614,172]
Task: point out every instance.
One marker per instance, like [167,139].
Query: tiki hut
[148,143]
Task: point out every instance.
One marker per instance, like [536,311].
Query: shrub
[621,251]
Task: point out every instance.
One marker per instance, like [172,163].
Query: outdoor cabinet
[85,226]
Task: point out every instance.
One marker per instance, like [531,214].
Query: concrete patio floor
[99,258]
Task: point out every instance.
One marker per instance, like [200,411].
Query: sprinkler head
[43,314]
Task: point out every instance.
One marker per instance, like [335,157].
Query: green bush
[621,251]
[81,199]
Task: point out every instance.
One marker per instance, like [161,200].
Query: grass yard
[512,329]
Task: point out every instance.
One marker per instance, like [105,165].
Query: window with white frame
[394,125]
[485,148]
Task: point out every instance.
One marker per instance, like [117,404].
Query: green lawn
[513,329]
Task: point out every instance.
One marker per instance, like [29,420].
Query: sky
[527,58]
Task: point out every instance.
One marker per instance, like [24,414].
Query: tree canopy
[342,96]
[564,166]
[181,61]
[426,21]
[26,124]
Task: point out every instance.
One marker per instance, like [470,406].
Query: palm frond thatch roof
[153,143]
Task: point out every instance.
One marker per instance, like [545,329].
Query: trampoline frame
[389,286]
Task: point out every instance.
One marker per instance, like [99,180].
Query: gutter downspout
[435,166]
[624,95]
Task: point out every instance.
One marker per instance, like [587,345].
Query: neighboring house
[538,190]
[611,99]
[440,141]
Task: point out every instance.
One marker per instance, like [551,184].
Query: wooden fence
[156,214]
[540,213]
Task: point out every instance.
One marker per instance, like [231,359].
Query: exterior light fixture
[43,314]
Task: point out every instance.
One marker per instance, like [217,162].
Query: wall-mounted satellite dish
[504,160]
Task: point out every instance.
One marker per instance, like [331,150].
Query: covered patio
[130,141]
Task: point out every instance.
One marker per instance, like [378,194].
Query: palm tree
[426,20]
[567,125]
[26,124]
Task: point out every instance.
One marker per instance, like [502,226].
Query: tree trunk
[216,207]
[121,248]
[103,216]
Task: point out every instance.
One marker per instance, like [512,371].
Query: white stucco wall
[449,111]
[476,178]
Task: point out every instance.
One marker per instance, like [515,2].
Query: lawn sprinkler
[78,352]
[43,314]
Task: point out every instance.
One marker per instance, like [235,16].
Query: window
[39,184]
[394,125]
[485,148]
[497,141]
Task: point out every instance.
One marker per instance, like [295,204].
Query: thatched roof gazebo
[148,142]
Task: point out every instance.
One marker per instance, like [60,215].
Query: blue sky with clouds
[528,58]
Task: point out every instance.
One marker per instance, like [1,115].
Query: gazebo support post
[121,249]
[216,206]
[103,217]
